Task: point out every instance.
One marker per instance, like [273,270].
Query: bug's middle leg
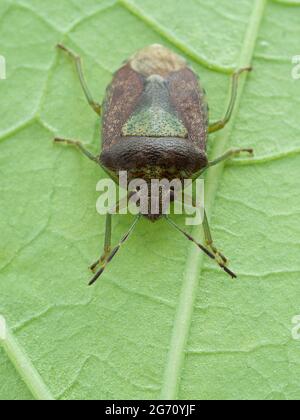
[82,149]
[77,60]
[79,146]
[218,125]
[229,155]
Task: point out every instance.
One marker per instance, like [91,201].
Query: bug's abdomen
[121,98]
[155,96]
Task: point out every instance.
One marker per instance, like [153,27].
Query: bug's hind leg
[218,125]
[77,60]
[229,155]
[79,146]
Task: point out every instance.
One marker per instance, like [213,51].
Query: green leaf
[163,321]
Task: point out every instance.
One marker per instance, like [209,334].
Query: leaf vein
[176,356]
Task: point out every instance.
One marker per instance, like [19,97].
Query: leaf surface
[163,321]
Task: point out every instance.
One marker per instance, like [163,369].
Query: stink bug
[155,124]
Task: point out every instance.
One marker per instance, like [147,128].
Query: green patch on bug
[154,122]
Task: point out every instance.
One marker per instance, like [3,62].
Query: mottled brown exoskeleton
[155,125]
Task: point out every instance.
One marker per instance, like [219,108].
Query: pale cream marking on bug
[156,59]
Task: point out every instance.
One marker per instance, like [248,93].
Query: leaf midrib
[23,364]
[194,265]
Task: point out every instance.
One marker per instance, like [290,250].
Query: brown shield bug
[155,124]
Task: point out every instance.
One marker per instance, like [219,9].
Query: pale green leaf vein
[176,355]
[265,159]
[23,364]
[173,38]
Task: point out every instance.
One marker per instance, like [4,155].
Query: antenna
[205,250]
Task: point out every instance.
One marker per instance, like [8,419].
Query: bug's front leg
[210,243]
[220,258]
[108,230]
[218,125]
[107,243]
[115,250]
[207,251]
[211,250]
[77,60]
